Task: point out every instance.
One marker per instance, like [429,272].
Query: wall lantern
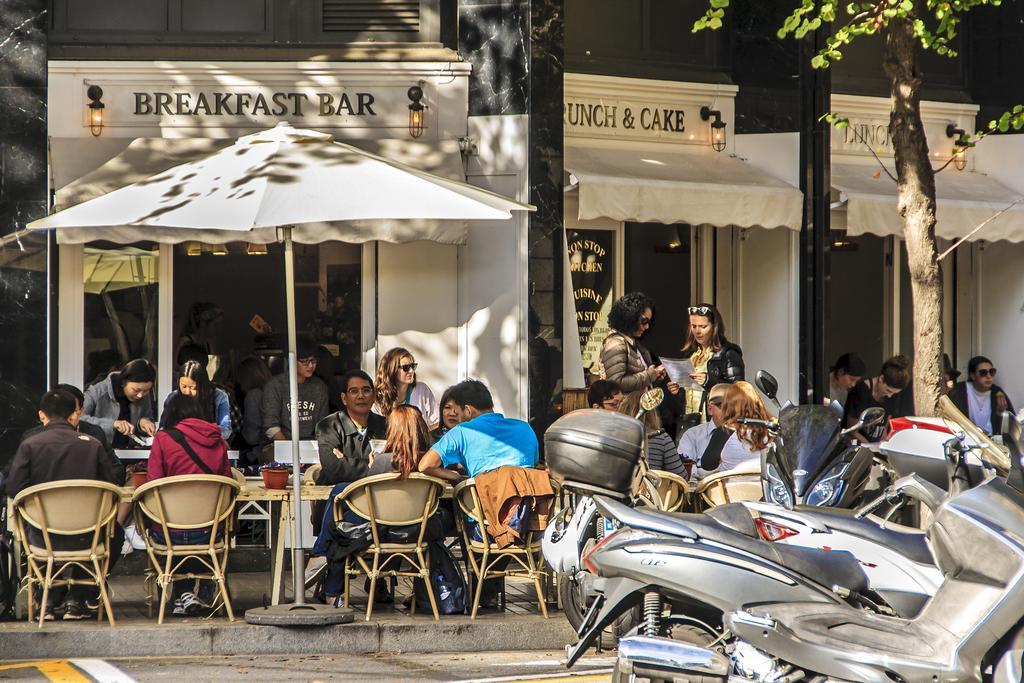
[717,127]
[959,145]
[95,94]
[416,111]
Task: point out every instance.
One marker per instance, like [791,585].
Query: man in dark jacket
[344,439]
[87,428]
[57,453]
[980,398]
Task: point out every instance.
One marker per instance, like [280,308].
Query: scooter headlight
[828,490]
[776,489]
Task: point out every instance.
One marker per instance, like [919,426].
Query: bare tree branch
[979,227]
[865,142]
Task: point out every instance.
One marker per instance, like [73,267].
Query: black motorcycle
[812,459]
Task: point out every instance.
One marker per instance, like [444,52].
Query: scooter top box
[597,448]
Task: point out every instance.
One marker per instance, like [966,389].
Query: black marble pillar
[493,37]
[23,197]
[547,39]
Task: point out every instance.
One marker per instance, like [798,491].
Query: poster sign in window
[592,268]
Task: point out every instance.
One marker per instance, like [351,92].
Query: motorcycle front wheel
[574,603]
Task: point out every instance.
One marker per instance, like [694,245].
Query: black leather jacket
[725,366]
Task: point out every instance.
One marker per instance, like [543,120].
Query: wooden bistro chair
[673,491]
[481,556]
[54,511]
[732,486]
[387,500]
[188,502]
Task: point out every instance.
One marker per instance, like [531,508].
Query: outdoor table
[143,454]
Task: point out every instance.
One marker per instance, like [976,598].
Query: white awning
[146,157]
[693,188]
[964,199]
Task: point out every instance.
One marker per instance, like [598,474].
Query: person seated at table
[706,439]
[745,442]
[660,448]
[57,453]
[313,401]
[188,444]
[397,385]
[605,394]
[121,404]
[449,416]
[407,439]
[213,401]
[344,440]
[483,440]
[253,374]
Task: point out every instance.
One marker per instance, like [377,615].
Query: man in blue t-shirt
[483,441]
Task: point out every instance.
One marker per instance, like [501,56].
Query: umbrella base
[299,615]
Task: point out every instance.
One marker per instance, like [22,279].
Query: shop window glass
[658,263]
[855,315]
[592,269]
[245,283]
[121,320]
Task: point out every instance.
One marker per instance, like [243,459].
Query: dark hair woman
[715,359]
[188,444]
[624,359]
[396,385]
[449,412]
[893,378]
[212,401]
[121,404]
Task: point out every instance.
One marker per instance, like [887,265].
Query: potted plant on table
[275,475]
[139,474]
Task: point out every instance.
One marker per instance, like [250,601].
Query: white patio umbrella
[282,178]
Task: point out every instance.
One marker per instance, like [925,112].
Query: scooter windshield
[806,441]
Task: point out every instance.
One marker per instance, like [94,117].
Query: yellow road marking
[56,670]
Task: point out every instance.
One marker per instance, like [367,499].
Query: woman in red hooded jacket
[188,444]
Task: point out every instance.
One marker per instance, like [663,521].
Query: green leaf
[719,4]
[817,62]
[1018,108]
[715,22]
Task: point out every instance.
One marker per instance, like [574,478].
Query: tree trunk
[916,204]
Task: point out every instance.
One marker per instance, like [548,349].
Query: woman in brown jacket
[623,357]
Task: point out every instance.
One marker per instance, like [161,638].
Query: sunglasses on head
[986,372]
[699,310]
[408,367]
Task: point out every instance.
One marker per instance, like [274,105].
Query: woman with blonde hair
[396,385]
[746,442]
[661,449]
[715,359]
[407,440]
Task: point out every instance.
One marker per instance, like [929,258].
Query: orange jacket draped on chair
[502,490]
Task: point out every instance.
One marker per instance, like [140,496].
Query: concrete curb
[451,634]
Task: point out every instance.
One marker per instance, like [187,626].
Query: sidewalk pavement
[393,629]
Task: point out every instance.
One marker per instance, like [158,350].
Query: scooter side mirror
[767,385]
[872,416]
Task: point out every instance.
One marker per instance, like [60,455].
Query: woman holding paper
[624,359]
[715,359]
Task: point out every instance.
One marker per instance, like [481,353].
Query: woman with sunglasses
[715,359]
[980,398]
[623,358]
[396,385]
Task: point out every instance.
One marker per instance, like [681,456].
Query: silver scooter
[971,630]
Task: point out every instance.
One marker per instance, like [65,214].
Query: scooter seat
[824,567]
[908,542]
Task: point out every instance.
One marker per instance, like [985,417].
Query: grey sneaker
[179,604]
[316,568]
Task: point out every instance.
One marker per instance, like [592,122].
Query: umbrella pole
[298,563]
[299,613]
